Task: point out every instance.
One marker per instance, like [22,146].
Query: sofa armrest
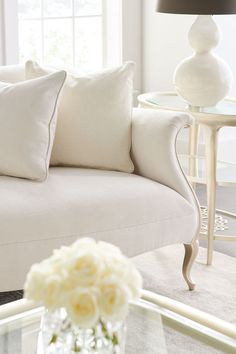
[154,135]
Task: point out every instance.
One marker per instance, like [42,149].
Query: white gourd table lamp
[203,79]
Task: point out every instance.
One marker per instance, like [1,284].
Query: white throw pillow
[94,119]
[27,125]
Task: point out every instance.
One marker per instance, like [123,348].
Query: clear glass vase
[59,336]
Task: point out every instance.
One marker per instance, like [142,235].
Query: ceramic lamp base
[203,79]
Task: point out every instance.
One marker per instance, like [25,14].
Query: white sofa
[151,208]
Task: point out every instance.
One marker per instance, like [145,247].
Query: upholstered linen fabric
[130,211]
[154,135]
[94,119]
[27,121]
[136,213]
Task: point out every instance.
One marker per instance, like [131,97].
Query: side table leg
[193,149]
[211,162]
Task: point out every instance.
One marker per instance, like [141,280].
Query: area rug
[215,291]
[215,294]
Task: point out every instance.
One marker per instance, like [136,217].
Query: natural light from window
[62,33]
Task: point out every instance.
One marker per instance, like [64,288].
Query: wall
[132,37]
[1,33]
[165,44]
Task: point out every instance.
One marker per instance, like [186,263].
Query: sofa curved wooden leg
[191,251]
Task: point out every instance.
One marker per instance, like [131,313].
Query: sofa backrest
[12,73]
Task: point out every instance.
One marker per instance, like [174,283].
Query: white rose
[114,263]
[61,253]
[58,261]
[84,243]
[84,269]
[43,286]
[60,257]
[35,282]
[114,299]
[82,307]
[53,292]
[124,269]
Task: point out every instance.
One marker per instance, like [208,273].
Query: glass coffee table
[155,325]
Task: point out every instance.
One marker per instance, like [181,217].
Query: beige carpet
[215,292]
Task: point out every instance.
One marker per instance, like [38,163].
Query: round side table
[211,119]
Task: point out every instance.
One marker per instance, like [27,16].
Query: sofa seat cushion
[133,212]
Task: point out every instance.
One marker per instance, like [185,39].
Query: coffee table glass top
[172,100]
[151,329]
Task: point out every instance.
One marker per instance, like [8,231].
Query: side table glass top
[224,114]
[172,101]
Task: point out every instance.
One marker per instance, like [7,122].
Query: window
[64,33]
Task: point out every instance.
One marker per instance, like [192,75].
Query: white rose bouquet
[91,280]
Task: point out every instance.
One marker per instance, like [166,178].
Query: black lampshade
[197,7]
